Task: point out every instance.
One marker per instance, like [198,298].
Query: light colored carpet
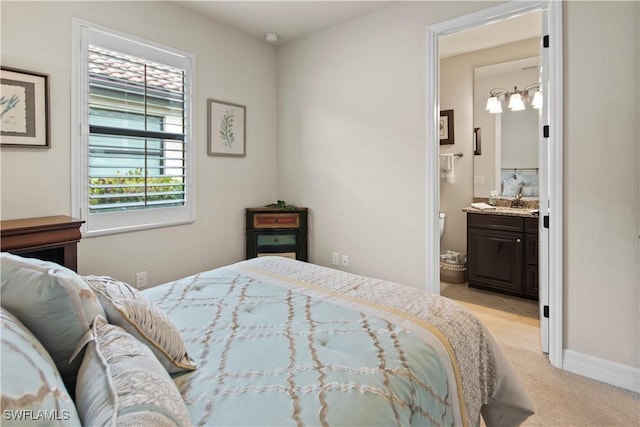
[560,398]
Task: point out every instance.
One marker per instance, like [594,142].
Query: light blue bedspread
[280,343]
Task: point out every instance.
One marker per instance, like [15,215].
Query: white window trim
[121,222]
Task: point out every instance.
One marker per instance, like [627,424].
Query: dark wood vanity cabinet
[503,254]
[531,258]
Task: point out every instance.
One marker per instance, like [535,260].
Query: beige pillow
[127,308]
[121,383]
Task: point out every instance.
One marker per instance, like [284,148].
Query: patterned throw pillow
[121,382]
[129,309]
[54,303]
[32,390]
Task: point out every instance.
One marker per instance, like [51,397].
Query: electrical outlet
[345,260]
[141,279]
[335,258]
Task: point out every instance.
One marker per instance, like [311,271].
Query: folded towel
[446,167]
[482,206]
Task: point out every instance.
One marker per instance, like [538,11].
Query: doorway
[551,206]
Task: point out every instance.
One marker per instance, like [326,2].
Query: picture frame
[226,129]
[24,108]
[446,127]
[477,142]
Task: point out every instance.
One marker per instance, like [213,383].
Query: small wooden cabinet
[274,231]
[502,254]
[50,238]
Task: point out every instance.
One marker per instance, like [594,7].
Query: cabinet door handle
[518,240]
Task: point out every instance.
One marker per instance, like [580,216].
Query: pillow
[121,382]
[129,309]
[32,388]
[53,302]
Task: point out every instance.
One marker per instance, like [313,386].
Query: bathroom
[479,165]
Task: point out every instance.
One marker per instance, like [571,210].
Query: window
[132,151]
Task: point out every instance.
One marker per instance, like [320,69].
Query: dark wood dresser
[50,238]
[275,231]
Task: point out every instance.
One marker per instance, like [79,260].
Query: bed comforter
[281,342]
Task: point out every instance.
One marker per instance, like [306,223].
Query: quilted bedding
[280,342]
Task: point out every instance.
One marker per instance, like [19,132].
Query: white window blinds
[136,136]
[135,154]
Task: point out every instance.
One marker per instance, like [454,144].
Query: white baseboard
[609,372]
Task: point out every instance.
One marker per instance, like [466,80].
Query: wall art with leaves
[226,129]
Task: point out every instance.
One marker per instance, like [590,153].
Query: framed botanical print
[24,108]
[226,129]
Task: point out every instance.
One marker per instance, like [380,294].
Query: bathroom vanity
[502,251]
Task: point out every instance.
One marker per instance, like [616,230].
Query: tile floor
[510,319]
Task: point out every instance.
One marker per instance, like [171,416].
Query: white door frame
[554,103]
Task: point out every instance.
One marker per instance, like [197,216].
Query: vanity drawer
[495,222]
[276,220]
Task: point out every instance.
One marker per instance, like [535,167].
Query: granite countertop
[505,211]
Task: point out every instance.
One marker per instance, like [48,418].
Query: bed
[281,342]
[274,342]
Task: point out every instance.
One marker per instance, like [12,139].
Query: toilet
[442,218]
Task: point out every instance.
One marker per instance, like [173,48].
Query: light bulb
[537,100]
[494,105]
[515,103]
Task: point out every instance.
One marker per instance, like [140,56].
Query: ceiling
[296,19]
[290,19]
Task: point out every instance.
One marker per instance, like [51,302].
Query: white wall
[457,93]
[352,148]
[230,66]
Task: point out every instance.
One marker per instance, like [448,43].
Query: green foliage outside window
[134,188]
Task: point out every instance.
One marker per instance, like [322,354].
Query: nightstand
[274,231]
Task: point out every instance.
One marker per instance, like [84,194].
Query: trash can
[453,267]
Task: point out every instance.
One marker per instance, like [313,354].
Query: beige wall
[456,92]
[229,66]
[352,105]
[352,147]
[602,180]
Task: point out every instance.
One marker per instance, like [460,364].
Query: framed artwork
[226,126]
[446,127]
[477,143]
[24,108]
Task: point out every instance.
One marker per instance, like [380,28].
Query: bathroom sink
[514,210]
[503,210]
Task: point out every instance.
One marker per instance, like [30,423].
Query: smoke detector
[271,37]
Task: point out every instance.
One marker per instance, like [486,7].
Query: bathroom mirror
[508,161]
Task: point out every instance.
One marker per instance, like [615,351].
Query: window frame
[97,224]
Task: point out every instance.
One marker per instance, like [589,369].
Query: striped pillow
[121,383]
[127,308]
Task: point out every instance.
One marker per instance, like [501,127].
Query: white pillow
[53,302]
[129,309]
[121,382]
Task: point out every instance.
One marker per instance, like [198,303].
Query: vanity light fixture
[515,99]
